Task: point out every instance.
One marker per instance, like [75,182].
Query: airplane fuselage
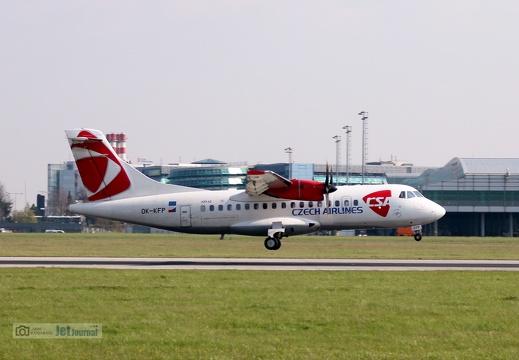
[235,212]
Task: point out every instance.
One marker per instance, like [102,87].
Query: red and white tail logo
[100,168]
[379,202]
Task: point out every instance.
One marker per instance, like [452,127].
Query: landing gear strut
[417,232]
[274,242]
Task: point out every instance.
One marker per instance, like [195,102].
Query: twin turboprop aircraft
[269,206]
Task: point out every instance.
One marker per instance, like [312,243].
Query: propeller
[328,185]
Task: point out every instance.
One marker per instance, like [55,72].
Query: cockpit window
[410,195]
[418,194]
[402,195]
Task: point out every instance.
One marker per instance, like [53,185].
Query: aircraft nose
[439,211]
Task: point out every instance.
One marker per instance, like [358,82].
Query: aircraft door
[185,216]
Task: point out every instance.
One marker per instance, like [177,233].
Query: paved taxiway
[257,264]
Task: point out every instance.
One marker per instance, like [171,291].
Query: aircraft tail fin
[105,175]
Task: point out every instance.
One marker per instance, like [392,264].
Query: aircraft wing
[292,226]
[263,180]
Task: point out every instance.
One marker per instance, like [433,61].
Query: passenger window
[301,204]
[310,204]
[402,195]
[256,206]
[293,205]
[337,203]
[283,205]
[274,205]
[220,207]
[265,206]
[247,206]
[202,208]
[211,208]
[346,202]
[229,207]
[355,202]
[238,207]
[410,195]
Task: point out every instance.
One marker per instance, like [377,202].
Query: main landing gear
[274,242]
[418,236]
[275,234]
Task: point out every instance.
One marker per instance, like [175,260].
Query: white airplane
[270,205]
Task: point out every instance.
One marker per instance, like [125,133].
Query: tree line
[56,206]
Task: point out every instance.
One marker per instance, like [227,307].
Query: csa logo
[379,202]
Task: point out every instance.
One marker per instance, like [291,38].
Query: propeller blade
[331,180]
[326,179]
[328,186]
[327,198]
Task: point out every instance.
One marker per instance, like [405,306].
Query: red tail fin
[100,168]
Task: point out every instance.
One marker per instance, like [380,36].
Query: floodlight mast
[289,151]
[15,197]
[364,119]
[347,128]
[337,157]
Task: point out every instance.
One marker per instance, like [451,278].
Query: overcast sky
[243,80]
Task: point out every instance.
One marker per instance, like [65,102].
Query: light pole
[289,151]
[15,198]
[337,157]
[364,119]
[347,128]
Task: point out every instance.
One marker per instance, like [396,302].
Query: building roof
[458,168]
[489,166]
[209,162]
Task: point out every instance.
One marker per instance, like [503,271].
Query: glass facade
[473,197]
[211,178]
[225,177]
[63,185]
[63,179]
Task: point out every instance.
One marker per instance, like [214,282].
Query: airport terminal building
[481,196]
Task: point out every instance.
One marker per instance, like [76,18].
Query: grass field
[139,245]
[182,314]
[264,315]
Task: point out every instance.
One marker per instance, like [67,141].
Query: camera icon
[22,330]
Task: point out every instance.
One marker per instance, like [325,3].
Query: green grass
[164,314]
[264,315]
[145,245]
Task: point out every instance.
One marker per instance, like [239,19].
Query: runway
[257,264]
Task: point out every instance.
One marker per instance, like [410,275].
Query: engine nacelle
[269,183]
[307,190]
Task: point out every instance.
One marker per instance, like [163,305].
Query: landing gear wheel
[272,243]
[418,237]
